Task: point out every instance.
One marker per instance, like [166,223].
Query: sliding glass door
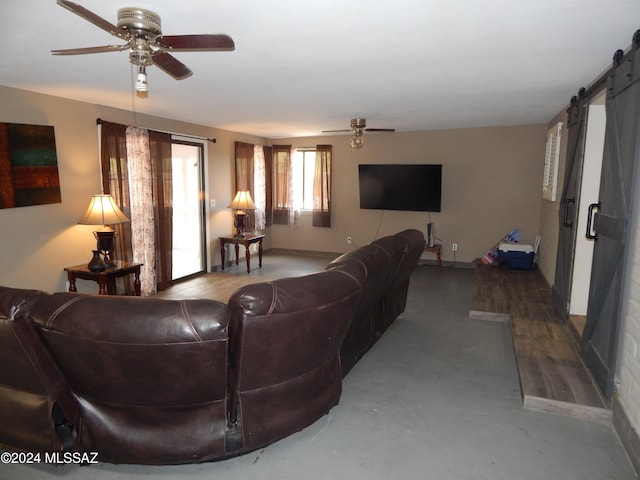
[188,209]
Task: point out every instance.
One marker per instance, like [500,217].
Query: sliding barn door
[609,218]
[576,131]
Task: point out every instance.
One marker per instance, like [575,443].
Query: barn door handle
[592,207]
[565,220]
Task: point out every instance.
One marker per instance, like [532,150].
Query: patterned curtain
[143,238]
[117,172]
[259,187]
[322,187]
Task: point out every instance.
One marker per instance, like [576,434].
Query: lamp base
[106,245]
[238,222]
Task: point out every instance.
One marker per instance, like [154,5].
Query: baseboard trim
[314,253]
[627,434]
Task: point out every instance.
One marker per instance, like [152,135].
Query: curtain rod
[212,140]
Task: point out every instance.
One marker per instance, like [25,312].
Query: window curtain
[143,238]
[161,168]
[117,180]
[244,178]
[268,185]
[322,187]
[254,172]
[259,187]
[282,200]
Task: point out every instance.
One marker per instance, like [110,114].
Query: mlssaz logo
[71,457]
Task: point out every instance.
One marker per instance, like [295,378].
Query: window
[302,172]
[551,159]
[302,182]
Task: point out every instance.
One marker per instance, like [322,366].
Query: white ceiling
[303,66]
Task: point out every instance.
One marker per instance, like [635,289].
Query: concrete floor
[436,398]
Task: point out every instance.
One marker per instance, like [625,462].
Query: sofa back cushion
[286,337]
[149,374]
[363,332]
[395,300]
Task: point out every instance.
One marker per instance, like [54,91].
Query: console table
[106,278]
[246,241]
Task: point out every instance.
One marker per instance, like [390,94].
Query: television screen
[410,187]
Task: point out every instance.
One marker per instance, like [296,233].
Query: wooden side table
[106,278]
[246,241]
[437,249]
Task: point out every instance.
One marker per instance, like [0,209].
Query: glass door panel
[188,210]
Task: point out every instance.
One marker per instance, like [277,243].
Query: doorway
[589,188]
[189,257]
[586,119]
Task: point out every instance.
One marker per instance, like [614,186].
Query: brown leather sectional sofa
[152,381]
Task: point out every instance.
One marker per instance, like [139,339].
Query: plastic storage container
[516,256]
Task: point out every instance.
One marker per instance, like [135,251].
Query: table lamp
[103,211]
[241,202]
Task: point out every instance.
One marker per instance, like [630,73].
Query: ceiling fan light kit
[357,141]
[359,126]
[142,30]
[141,79]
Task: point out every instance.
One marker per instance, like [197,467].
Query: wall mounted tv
[412,187]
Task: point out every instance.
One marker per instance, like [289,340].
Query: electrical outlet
[454,247]
[349,240]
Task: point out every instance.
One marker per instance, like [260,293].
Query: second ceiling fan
[359,126]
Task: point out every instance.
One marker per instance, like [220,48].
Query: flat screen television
[413,187]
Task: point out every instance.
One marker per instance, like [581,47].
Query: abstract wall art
[28,166]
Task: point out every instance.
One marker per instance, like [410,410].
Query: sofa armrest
[285,342]
[37,410]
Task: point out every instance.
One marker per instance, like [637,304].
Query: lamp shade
[103,211]
[242,201]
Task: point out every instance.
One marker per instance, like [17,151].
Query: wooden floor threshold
[553,377]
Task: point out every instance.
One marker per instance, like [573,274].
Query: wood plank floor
[220,285]
[553,377]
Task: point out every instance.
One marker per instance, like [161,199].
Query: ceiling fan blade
[337,131]
[380,129]
[82,51]
[95,19]
[171,65]
[196,42]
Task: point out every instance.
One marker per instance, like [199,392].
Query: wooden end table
[247,240]
[437,249]
[106,278]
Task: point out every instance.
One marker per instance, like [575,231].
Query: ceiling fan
[359,126]
[141,30]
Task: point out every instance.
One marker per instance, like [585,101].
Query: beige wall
[37,242]
[549,211]
[492,183]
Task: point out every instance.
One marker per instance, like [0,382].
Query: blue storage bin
[516,256]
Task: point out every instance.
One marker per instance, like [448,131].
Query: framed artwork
[28,166]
